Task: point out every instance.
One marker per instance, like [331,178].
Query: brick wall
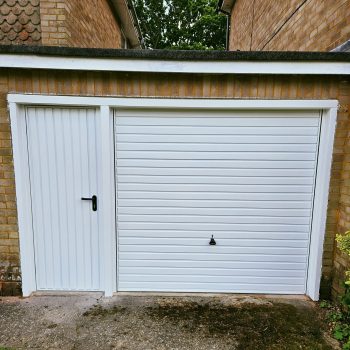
[76,23]
[294,25]
[179,85]
[96,15]
[340,260]
[53,16]
[9,244]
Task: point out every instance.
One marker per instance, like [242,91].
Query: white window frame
[106,105]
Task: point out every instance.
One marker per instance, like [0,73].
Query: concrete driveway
[160,322]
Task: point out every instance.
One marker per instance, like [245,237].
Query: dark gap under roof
[181,55]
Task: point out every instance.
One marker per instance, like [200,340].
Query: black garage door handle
[93,199]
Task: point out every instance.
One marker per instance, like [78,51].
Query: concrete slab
[141,322]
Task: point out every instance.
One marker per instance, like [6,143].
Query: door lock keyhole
[212,240]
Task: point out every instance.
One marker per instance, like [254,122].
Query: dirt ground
[145,322]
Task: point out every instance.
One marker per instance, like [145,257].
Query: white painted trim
[174,66]
[23,198]
[324,164]
[16,101]
[107,203]
[178,103]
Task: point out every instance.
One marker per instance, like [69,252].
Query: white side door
[63,157]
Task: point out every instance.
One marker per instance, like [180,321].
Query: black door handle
[93,199]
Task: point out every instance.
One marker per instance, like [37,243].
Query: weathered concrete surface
[129,322]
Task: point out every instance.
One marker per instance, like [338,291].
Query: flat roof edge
[178,55]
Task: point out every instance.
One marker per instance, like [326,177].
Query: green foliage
[325,304]
[181,24]
[338,319]
[344,242]
[344,245]
[335,316]
[341,331]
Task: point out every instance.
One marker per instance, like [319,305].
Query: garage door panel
[214,147]
[248,235]
[217,118]
[295,173]
[213,287]
[211,271]
[215,188]
[229,266]
[214,196]
[200,241]
[217,130]
[150,210]
[246,178]
[174,203]
[231,139]
[219,180]
[219,219]
[212,227]
[212,257]
[212,279]
[165,155]
[240,164]
[221,248]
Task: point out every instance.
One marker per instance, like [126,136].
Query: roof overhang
[163,61]
[226,6]
[125,12]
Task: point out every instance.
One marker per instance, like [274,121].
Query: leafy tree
[181,24]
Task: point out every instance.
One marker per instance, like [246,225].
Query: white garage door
[247,178]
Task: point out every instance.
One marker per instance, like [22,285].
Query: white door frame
[17,102]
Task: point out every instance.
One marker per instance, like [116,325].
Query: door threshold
[55,293]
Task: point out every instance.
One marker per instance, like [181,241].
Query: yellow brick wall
[53,15]
[9,244]
[289,25]
[180,85]
[76,23]
[342,221]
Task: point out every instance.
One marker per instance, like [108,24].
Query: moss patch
[239,324]
[98,310]
[281,326]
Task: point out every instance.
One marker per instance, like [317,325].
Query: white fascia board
[173,66]
[178,103]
